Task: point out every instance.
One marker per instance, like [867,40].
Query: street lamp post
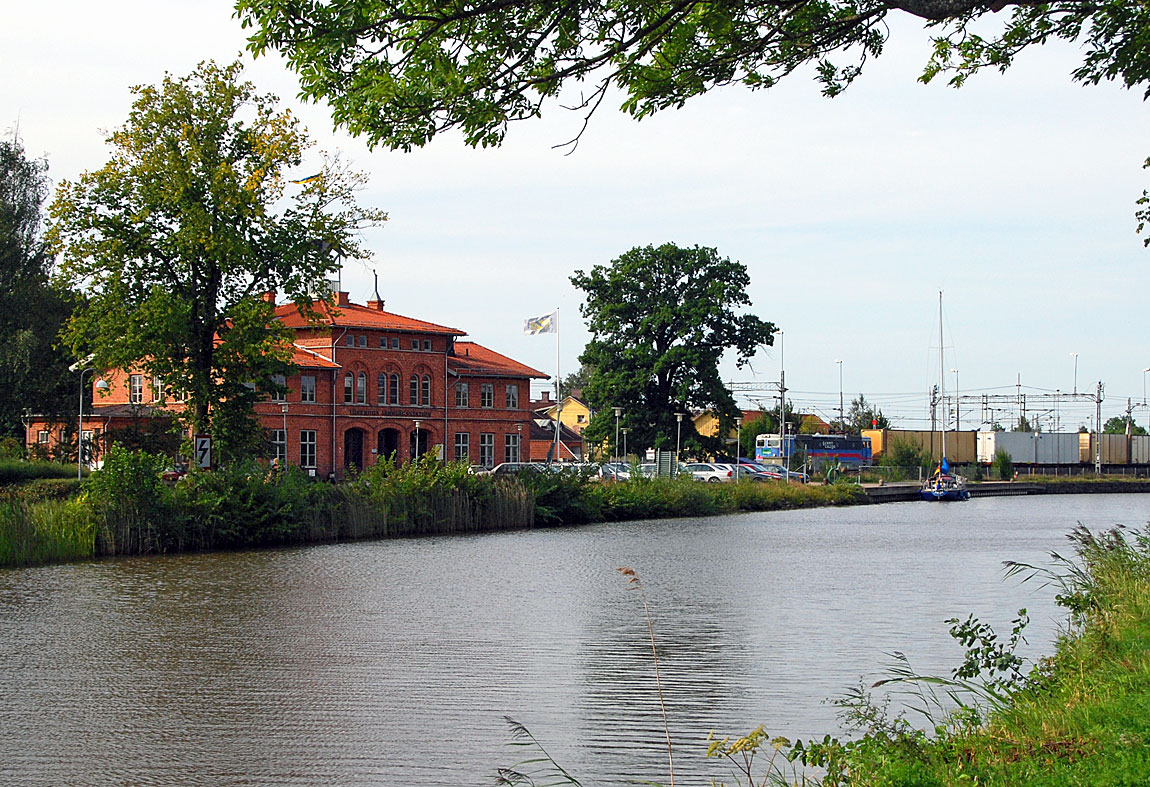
[738,440]
[519,442]
[618,412]
[415,446]
[842,412]
[1075,356]
[285,412]
[624,444]
[678,434]
[103,386]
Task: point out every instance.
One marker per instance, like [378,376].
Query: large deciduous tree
[177,237]
[660,320]
[33,374]
[399,73]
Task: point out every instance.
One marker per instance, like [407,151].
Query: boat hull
[944,495]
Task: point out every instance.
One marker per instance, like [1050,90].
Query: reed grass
[47,532]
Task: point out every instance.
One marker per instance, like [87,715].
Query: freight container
[1140,450]
[960,446]
[1040,448]
[1115,449]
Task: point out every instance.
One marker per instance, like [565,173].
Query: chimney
[269,297]
[547,396]
[375,304]
[342,299]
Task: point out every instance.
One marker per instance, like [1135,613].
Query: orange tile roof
[354,315]
[472,358]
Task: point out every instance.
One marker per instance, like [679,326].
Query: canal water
[396,662]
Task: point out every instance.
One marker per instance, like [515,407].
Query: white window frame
[511,448]
[511,397]
[487,449]
[136,389]
[462,447]
[487,395]
[307,448]
[462,395]
[307,388]
[279,446]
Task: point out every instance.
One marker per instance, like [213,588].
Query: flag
[310,178]
[544,324]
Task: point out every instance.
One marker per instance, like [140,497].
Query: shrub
[1002,465]
[15,470]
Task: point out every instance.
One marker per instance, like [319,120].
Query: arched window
[393,389]
[381,388]
[425,391]
[361,389]
[348,385]
[413,391]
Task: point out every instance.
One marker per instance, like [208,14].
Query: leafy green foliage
[1117,425]
[864,415]
[907,458]
[660,320]
[400,74]
[178,236]
[1002,465]
[32,311]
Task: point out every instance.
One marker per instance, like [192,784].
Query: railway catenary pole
[1098,427]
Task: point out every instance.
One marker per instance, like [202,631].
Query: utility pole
[1098,427]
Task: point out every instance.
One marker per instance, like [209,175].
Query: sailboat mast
[941,375]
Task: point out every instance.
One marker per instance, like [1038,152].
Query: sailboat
[943,485]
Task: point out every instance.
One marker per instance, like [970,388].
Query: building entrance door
[387,443]
[353,448]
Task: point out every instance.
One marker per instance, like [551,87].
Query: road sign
[203,455]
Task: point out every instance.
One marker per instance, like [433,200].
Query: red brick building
[370,384]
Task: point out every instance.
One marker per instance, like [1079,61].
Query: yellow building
[575,414]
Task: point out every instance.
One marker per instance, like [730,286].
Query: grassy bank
[126,509]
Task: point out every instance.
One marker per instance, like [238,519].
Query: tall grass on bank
[54,531]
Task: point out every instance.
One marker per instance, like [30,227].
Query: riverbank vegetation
[126,509]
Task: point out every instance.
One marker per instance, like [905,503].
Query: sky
[1014,196]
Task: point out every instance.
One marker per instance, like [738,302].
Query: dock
[900,492]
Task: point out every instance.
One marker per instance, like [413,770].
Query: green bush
[906,459]
[11,448]
[40,489]
[14,471]
[1002,466]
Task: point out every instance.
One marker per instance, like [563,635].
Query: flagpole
[558,394]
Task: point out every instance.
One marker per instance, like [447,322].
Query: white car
[703,471]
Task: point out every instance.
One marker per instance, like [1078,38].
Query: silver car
[713,473]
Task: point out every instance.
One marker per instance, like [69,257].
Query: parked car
[705,471]
[774,471]
[511,468]
[744,472]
